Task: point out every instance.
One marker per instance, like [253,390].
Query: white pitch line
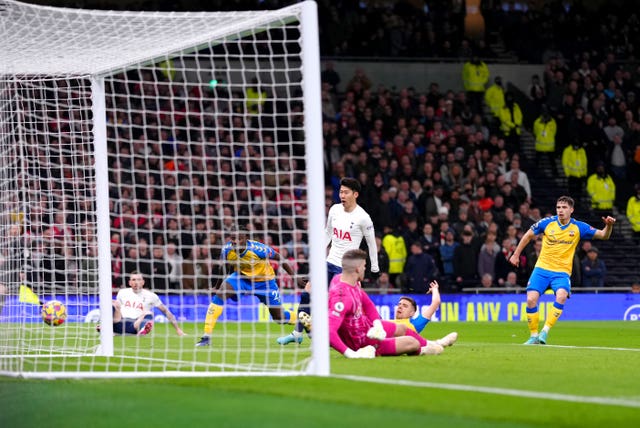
[606,401]
[604,348]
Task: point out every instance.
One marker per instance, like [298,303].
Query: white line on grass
[606,401]
[604,348]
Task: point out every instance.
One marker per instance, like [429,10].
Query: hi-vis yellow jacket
[574,162]
[633,213]
[545,134]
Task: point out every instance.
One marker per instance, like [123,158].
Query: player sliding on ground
[406,317]
[252,274]
[355,328]
[133,309]
[561,235]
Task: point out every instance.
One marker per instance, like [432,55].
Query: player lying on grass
[406,318]
[561,235]
[133,309]
[251,274]
[355,328]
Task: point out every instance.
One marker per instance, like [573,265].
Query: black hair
[351,183]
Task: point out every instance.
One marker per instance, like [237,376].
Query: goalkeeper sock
[213,313]
[553,316]
[533,319]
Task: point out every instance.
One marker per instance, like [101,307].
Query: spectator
[635,287]
[522,178]
[487,256]
[160,269]
[175,261]
[465,262]
[447,250]
[330,76]
[475,75]
[419,271]
[601,189]
[494,97]
[486,281]
[593,269]
[511,123]
[395,246]
[574,163]
[544,132]
[383,285]
[511,281]
[633,213]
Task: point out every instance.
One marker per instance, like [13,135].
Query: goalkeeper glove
[366,352]
[377,331]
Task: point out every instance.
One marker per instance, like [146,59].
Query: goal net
[139,141]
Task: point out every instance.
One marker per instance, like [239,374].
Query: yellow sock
[293,318]
[553,316]
[213,313]
[533,319]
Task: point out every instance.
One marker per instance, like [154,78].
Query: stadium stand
[424,158]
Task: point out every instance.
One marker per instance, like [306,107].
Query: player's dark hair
[410,300]
[567,199]
[351,183]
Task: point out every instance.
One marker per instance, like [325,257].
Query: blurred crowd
[443,173]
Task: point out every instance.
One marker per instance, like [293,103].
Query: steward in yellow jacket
[601,188]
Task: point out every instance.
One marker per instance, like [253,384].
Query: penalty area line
[605,401]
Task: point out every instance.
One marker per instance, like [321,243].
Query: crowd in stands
[443,175]
[530,30]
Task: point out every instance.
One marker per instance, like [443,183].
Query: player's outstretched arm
[172,319]
[605,232]
[434,290]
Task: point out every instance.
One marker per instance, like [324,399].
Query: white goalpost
[139,141]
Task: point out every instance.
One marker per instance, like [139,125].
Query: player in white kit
[347,224]
[133,309]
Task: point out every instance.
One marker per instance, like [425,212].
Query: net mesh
[204,132]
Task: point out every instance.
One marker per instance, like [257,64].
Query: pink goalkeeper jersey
[351,315]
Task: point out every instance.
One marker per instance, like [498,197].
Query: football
[54,313]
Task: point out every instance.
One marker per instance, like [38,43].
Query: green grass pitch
[588,376]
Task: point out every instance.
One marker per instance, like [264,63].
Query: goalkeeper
[252,274]
[406,317]
[355,328]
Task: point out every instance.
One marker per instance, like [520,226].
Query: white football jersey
[133,305]
[345,231]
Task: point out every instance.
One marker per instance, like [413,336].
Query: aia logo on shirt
[132,304]
[341,234]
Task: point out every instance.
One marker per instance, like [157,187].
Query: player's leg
[448,340]
[269,294]
[226,290]
[562,287]
[304,307]
[144,324]
[397,346]
[537,285]
[116,316]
